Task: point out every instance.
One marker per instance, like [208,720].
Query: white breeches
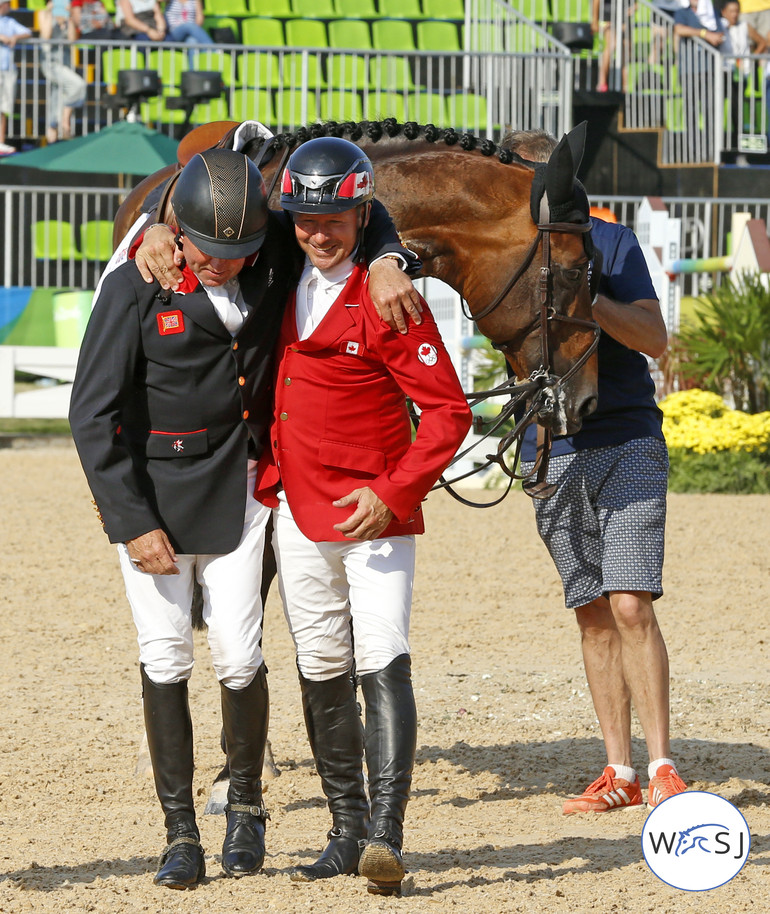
[343,600]
[232,607]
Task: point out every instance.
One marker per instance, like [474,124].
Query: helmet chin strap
[365,209]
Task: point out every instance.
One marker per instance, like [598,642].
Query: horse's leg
[215,805]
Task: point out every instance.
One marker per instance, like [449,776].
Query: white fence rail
[45,402]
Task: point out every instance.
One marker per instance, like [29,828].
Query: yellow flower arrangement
[699,421]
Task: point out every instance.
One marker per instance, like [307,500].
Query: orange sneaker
[606,793]
[665,784]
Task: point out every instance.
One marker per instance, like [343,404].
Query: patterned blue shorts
[605,525]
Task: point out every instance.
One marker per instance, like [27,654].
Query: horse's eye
[573,274]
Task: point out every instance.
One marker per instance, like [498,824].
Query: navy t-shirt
[626,407]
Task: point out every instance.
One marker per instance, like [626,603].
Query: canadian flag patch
[351,348]
[427,354]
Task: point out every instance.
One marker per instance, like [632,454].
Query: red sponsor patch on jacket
[170,322]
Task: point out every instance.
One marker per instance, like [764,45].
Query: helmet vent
[229,188]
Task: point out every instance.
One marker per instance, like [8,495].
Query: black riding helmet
[327,175]
[220,203]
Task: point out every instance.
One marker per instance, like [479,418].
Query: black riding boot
[336,738]
[245,718]
[390,740]
[170,739]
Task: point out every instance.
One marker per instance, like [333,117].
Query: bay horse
[476,214]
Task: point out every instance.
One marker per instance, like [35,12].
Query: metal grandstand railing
[481,92]
[47,235]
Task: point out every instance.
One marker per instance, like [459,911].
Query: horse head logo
[698,837]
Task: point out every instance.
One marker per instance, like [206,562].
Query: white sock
[652,768]
[625,772]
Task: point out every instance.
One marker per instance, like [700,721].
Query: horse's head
[557,340]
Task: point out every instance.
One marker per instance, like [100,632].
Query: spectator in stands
[66,88]
[756,13]
[10,32]
[601,24]
[184,22]
[741,40]
[696,71]
[91,20]
[141,20]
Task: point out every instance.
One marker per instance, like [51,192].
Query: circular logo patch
[696,841]
[427,354]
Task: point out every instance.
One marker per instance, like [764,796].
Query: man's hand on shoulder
[159,258]
[393,294]
[152,553]
[370,518]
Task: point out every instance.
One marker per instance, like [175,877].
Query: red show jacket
[341,421]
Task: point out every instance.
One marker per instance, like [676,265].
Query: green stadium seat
[260,32]
[428,108]
[445,9]
[318,9]
[258,70]
[467,111]
[350,33]
[96,239]
[536,10]
[279,9]
[252,105]
[223,22]
[401,9]
[571,10]
[306,33]
[379,105]
[392,35]
[116,59]
[226,8]
[290,105]
[438,36]
[353,9]
[391,72]
[339,105]
[53,239]
[169,65]
[215,60]
[303,70]
[154,111]
[206,112]
[346,71]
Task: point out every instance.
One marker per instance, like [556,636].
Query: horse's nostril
[587,407]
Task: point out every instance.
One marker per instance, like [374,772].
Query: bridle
[542,387]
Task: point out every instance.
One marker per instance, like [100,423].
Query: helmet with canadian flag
[327,175]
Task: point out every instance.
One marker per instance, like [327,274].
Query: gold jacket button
[284,416]
[241,380]
[287,381]
[245,414]
[235,346]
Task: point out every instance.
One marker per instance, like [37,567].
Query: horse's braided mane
[389,128]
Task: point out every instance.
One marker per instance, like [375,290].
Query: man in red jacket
[346,482]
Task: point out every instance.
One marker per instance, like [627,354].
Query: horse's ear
[577,143]
[560,176]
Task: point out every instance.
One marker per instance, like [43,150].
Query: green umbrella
[126,147]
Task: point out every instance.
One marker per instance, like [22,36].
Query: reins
[542,386]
